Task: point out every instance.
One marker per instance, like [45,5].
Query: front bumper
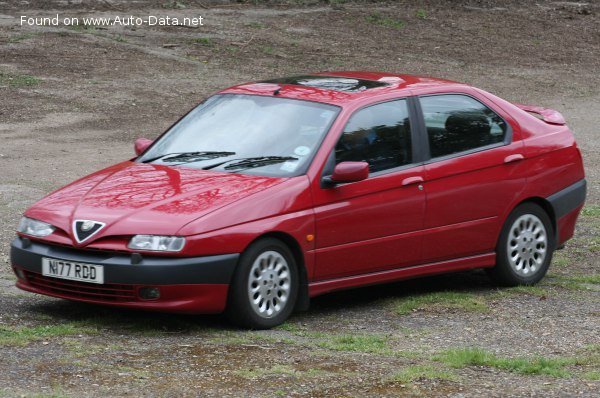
[186,285]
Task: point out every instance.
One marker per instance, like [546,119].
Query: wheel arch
[546,206]
[303,300]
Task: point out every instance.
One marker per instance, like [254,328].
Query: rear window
[458,123]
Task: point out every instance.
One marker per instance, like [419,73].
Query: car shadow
[475,281]
[136,322]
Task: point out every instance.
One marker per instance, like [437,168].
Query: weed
[268,50]
[591,211]
[289,327]
[528,290]
[577,282]
[378,19]
[559,259]
[357,343]
[18,337]
[120,39]
[463,357]
[593,279]
[174,5]
[592,375]
[441,300]
[258,25]
[420,372]
[21,37]
[201,40]
[19,81]
[420,13]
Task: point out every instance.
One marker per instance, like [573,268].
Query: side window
[378,135]
[457,123]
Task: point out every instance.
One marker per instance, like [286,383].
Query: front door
[374,224]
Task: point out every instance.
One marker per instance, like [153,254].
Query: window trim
[415,139]
[425,149]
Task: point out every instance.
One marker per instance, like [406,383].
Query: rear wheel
[264,287]
[525,247]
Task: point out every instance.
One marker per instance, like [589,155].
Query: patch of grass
[268,50]
[463,357]
[258,25]
[421,14]
[576,282]
[120,39]
[528,290]
[21,336]
[440,300]
[174,5]
[201,40]
[591,211]
[357,343]
[21,37]
[421,372]
[560,259]
[594,375]
[19,81]
[594,279]
[378,19]
[289,327]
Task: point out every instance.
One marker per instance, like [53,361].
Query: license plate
[73,271]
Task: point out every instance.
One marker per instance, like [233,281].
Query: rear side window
[457,123]
[378,135]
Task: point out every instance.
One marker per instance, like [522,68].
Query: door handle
[515,157]
[412,180]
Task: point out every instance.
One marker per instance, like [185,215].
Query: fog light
[149,293]
[20,273]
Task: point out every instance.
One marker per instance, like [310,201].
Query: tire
[264,287]
[525,246]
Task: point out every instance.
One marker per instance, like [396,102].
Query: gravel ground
[73,99]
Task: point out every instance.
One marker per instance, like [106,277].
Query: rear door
[374,224]
[474,174]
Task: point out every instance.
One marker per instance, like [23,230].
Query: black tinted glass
[378,135]
[457,123]
[329,83]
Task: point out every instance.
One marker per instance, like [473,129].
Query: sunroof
[346,84]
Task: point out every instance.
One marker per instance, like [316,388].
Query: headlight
[33,227]
[157,243]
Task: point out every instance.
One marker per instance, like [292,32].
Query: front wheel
[264,287]
[525,247]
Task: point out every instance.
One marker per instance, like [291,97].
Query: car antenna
[276,92]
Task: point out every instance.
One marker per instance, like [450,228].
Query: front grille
[74,289]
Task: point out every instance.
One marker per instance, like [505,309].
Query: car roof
[341,87]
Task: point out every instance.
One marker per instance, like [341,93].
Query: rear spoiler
[548,115]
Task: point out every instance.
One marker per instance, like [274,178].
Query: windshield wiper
[189,156]
[249,163]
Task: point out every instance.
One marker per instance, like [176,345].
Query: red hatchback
[269,193]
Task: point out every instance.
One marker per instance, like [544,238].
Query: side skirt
[480,261]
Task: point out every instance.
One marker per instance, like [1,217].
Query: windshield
[249,134]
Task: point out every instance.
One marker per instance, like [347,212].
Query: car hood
[136,198]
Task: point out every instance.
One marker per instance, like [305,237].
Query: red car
[269,193]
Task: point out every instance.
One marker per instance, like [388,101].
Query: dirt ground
[73,99]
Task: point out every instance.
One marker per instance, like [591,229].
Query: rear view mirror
[141,144]
[348,172]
